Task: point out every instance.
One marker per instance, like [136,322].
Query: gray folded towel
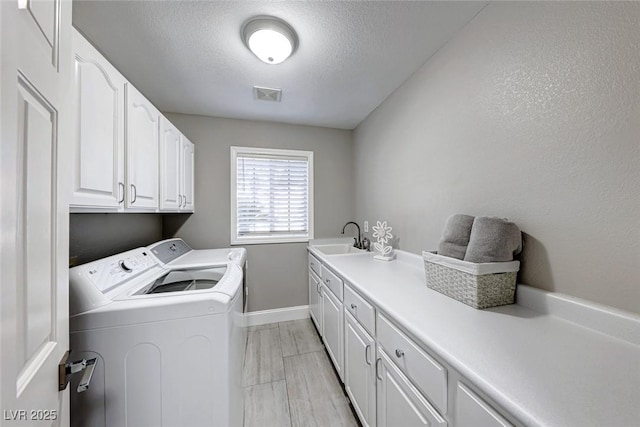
[455,236]
[493,240]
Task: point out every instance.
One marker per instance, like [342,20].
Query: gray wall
[98,235]
[277,275]
[532,112]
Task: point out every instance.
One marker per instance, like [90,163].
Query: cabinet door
[399,402]
[472,411]
[332,328]
[188,163]
[359,371]
[98,142]
[142,151]
[315,301]
[170,166]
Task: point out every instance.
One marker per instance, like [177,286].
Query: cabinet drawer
[332,282]
[399,402]
[360,309]
[425,372]
[472,411]
[315,265]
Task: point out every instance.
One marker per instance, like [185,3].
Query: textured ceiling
[188,57]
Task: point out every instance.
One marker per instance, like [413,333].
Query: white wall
[532,112]
[277,275]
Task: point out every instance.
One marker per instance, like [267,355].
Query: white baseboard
[263,317]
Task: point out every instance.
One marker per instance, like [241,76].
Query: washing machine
[176,253]
[168,339]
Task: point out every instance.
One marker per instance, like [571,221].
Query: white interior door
[36,118]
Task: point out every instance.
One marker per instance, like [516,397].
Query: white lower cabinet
[315,300]
[472,411]
[426,373]
[391,379]
[332,329]
[399,402]
[359,370]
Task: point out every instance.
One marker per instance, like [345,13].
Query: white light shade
[270,39]
[270,46]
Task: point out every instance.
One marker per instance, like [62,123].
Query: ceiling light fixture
[270,39]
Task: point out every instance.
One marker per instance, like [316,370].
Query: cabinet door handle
[185,201]
[179,200]
[378,369]
[121,186]
[327,280]
[399,353]
[366,354]
[353,306]
[134,190]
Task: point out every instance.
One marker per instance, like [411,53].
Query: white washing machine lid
[184,280]
[134,306]
[179,282]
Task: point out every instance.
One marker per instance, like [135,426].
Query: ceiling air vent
[267,93]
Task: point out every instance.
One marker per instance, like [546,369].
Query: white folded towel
[455,236]
[493,240]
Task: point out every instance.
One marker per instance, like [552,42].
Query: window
[271,195]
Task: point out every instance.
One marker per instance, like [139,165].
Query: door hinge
[66,369]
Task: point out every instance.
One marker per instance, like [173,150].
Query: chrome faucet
[358,242]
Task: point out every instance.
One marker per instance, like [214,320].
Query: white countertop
[540,368]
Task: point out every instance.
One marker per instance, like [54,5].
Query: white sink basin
[338,249]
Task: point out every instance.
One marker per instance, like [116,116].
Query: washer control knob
[126,266]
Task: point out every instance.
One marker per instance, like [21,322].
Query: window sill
[268,240]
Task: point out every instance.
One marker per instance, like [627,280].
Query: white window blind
[273,195]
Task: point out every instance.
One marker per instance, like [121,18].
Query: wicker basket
[478,285]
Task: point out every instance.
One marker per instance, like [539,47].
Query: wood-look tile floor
[288,379]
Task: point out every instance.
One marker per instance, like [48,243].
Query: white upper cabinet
[98,141]
[176,169]
[126,155]
[171,153]
[141,151]
[187,180]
